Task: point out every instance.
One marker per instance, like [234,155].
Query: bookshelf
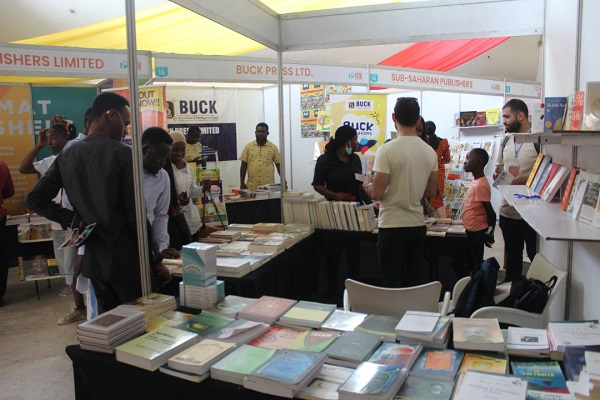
[547,219]
[563,138]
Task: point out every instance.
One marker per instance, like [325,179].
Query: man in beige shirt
[258,159]
[518,159]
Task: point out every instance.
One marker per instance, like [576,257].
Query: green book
[416,388]
[307,314]
[314,341]
[380,325]
[239,363]
[205,323]
[153,349]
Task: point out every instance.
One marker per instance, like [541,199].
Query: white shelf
[564,138]
[547,219]
[480,127]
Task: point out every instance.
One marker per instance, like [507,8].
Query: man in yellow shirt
[258,159]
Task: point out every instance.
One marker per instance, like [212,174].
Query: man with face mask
[517,159]
[258,158]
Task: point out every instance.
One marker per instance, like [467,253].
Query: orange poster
[16,139]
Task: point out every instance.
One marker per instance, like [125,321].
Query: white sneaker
[66,291]
[73,315]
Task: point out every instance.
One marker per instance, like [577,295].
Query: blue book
[377,380]
[438,364]
[554,113]
[574,360]
[288,368]
[544,377]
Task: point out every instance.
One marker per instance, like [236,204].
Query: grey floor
[33,362]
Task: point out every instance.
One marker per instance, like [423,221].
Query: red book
[569,188]
[553,168]
[577,114]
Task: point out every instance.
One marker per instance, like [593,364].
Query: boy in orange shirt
[478,216]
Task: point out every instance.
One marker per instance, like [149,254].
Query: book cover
[239,363]
[554,112]
[113,320]
[415,388]
[153,349]
[239,331]
[569,189]
[544,377]
[289,367]
[479,385]
[417,321]
[492,363]
[396,354]
[382,325]
[492,115]
[546,161]
[480,118]
[33,267]
[374,379]
[589,202]
[198,358]
[577,113]
[314,341]
[478,334]
[553,170]
[354,347]
[468,118]
[267,309]
[343,321]
[438,364]
[165,369]
[543,174]
[569,112]
[574,205]
[170,318]
[591,113]
[535,168]
[278,337]
[551,189]
[574,360]
[526,338]
[325,384]
[562,334]
[503,178]
[307,313]
[205,323]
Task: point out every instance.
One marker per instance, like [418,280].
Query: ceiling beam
[411,22]
[250,18]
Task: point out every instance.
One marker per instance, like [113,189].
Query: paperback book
[325,385]
[314,341]
[478,385]
[198,358]
[267,309]
[240,362]
[373,381]
[205,323]
[545,379]
[231,305]
[307,314]
[396,354]
[493,363]
[278,337]
[239,331]
[343,321]
[381,325]
[438,364]
[415,388]
[165,369]
[482,334]
[352,348]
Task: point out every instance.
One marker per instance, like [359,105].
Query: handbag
[205,230]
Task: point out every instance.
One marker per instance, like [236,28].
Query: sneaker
[66,291]
[73,315]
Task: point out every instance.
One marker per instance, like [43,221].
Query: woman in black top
[335,170]
[335,179]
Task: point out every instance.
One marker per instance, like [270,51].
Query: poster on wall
[314,108]
[16,140]
[153,109]
[365,113]
[213,111]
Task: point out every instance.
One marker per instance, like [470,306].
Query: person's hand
[519,180]
[341,196]
[43,138]
[164,276]
[183,199]
[488,238]
[170,253]
[496,172]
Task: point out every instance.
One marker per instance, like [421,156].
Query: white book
[582,181]
[560,176]
[113,321]
[503,178]
[477,385]
[198,358]
[590,200]
[562,334]
[326,383]
[527,339]
[417,321]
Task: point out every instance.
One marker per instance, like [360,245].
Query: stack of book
[493,363]
[153,305]
[240,227]
[299,228]
[233,267]
[574,360]
[437,339]
[306,314]
[268,227]
[343,321]
[544,379]
[170,318]
[228,235]
[338,215]
[396,354]
[235,366]
[326,383]
[373,381]
[239,331]
[477,385]
[285,373]
[482,334]
[267,309]
[279,337]
[352,348]
[422,327]
[380,325]
[106,331]
[198,359]
[201,297]
[563,334]
[199,287]
[267,244]
[153,349]
[425,389]
[438,364]
[527,342]
[205,323]
[233,249]
[231,305]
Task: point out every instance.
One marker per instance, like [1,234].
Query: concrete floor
[33,362]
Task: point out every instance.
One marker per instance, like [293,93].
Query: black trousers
[400,253]
[517,233]
[476,240]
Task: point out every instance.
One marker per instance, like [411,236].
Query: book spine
[535,168]
[568,190]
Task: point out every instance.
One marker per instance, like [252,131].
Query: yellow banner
[365,113]
[16,140]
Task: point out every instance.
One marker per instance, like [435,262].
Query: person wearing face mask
[258,159]
[335,178]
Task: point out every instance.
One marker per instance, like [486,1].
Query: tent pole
[282,179]
[140,205]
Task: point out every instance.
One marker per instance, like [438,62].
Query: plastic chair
[540,269]
[369,299]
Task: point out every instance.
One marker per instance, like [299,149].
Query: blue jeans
[65,258]
[400,253]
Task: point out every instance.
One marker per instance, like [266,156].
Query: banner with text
[16,140]
[365,113]
[34,60]
[213,111]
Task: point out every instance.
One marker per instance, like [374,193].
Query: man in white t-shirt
[518,159]
[405,172]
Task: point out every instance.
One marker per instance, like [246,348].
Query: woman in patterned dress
[442,149]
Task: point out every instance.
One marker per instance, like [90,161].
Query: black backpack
[529,294]
[479,291]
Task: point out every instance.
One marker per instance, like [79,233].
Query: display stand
[547,219]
